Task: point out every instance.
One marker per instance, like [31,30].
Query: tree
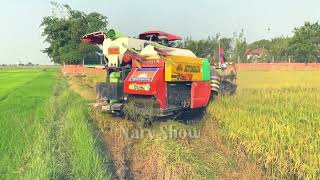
[279,49]
[226,44]
[203,47]
[276,49]
[63,30]
[305,44]
[264,44]
[208,47]
[239,46]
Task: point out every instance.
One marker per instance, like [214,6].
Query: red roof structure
[254,51]
[171,37]
[93,38]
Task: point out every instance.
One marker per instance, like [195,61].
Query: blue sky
[22,41]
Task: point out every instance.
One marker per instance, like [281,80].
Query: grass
[275,119]
[158,157]
[21,112]
[180,158]
[76,148]
[45,130]
[11,81]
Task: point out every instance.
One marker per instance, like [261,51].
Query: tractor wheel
[214,95]
[228,88]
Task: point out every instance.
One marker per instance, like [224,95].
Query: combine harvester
[146,77]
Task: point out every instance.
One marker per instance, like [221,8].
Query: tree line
[302,47]
[64,28]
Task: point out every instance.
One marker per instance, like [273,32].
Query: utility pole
[273,59]
[237,54]
[219,47]
[289,59]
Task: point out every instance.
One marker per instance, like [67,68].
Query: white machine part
[114,50]
[153,54]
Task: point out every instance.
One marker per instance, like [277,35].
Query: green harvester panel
[205,70]
[115,77]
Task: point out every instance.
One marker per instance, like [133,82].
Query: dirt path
[166,150]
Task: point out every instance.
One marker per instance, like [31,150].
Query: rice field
[275,119]
[160,157]
[45,132]
[269,129]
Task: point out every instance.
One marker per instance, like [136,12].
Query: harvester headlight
[147,87]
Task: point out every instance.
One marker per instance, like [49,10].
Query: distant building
[29,64]
[254,54]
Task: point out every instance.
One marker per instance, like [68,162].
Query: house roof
[254,51]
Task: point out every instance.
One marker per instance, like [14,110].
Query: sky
[260,19]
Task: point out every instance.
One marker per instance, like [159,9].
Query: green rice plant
[45,131]
[22,110]
[84,159]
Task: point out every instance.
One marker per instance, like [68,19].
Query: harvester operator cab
[163,38]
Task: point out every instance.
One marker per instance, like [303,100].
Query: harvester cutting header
[147,76]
